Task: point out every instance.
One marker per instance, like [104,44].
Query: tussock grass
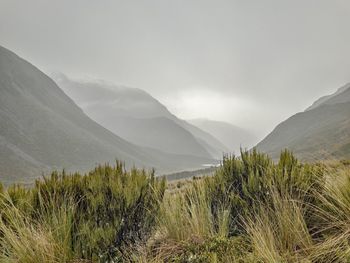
[28,242]
[333,218]
[251,210]
[76,218]
[279,233]
[187,215]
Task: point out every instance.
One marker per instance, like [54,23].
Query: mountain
[336,97]
[42,129]
[136,116]
[211,144]
[322,131]
[232,136]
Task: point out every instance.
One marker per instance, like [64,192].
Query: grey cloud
[279,55]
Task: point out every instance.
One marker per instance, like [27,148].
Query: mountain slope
[211,144]
[160,133]
[231,136]
[41,129]
[135,115]
[321,132]
[336,97]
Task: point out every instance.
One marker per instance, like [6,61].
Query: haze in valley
[170,85]
[248,63]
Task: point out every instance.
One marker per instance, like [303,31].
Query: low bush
[244,183]
[90,216]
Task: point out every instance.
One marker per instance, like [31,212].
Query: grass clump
[279,232]
[23,241]
[70,217]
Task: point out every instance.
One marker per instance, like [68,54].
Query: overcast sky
[251,63]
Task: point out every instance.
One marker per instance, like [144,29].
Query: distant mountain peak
[232,136]
[137,116]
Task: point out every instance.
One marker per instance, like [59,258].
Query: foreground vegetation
[251,210]
[70,217]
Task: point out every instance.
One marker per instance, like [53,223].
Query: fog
[250,63]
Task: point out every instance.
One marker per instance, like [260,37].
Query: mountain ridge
[117,106]
[327,98]
[41,129]
[233,137]
[320,132]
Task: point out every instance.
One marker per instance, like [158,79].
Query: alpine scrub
[251,210]
[77,216]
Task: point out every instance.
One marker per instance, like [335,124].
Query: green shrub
[256,210]
[244,183]
[93,215]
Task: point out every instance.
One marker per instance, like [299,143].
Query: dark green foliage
[218,249]
[345,162]
[111,207]
[243,183]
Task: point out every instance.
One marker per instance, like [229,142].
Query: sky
[250,63]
